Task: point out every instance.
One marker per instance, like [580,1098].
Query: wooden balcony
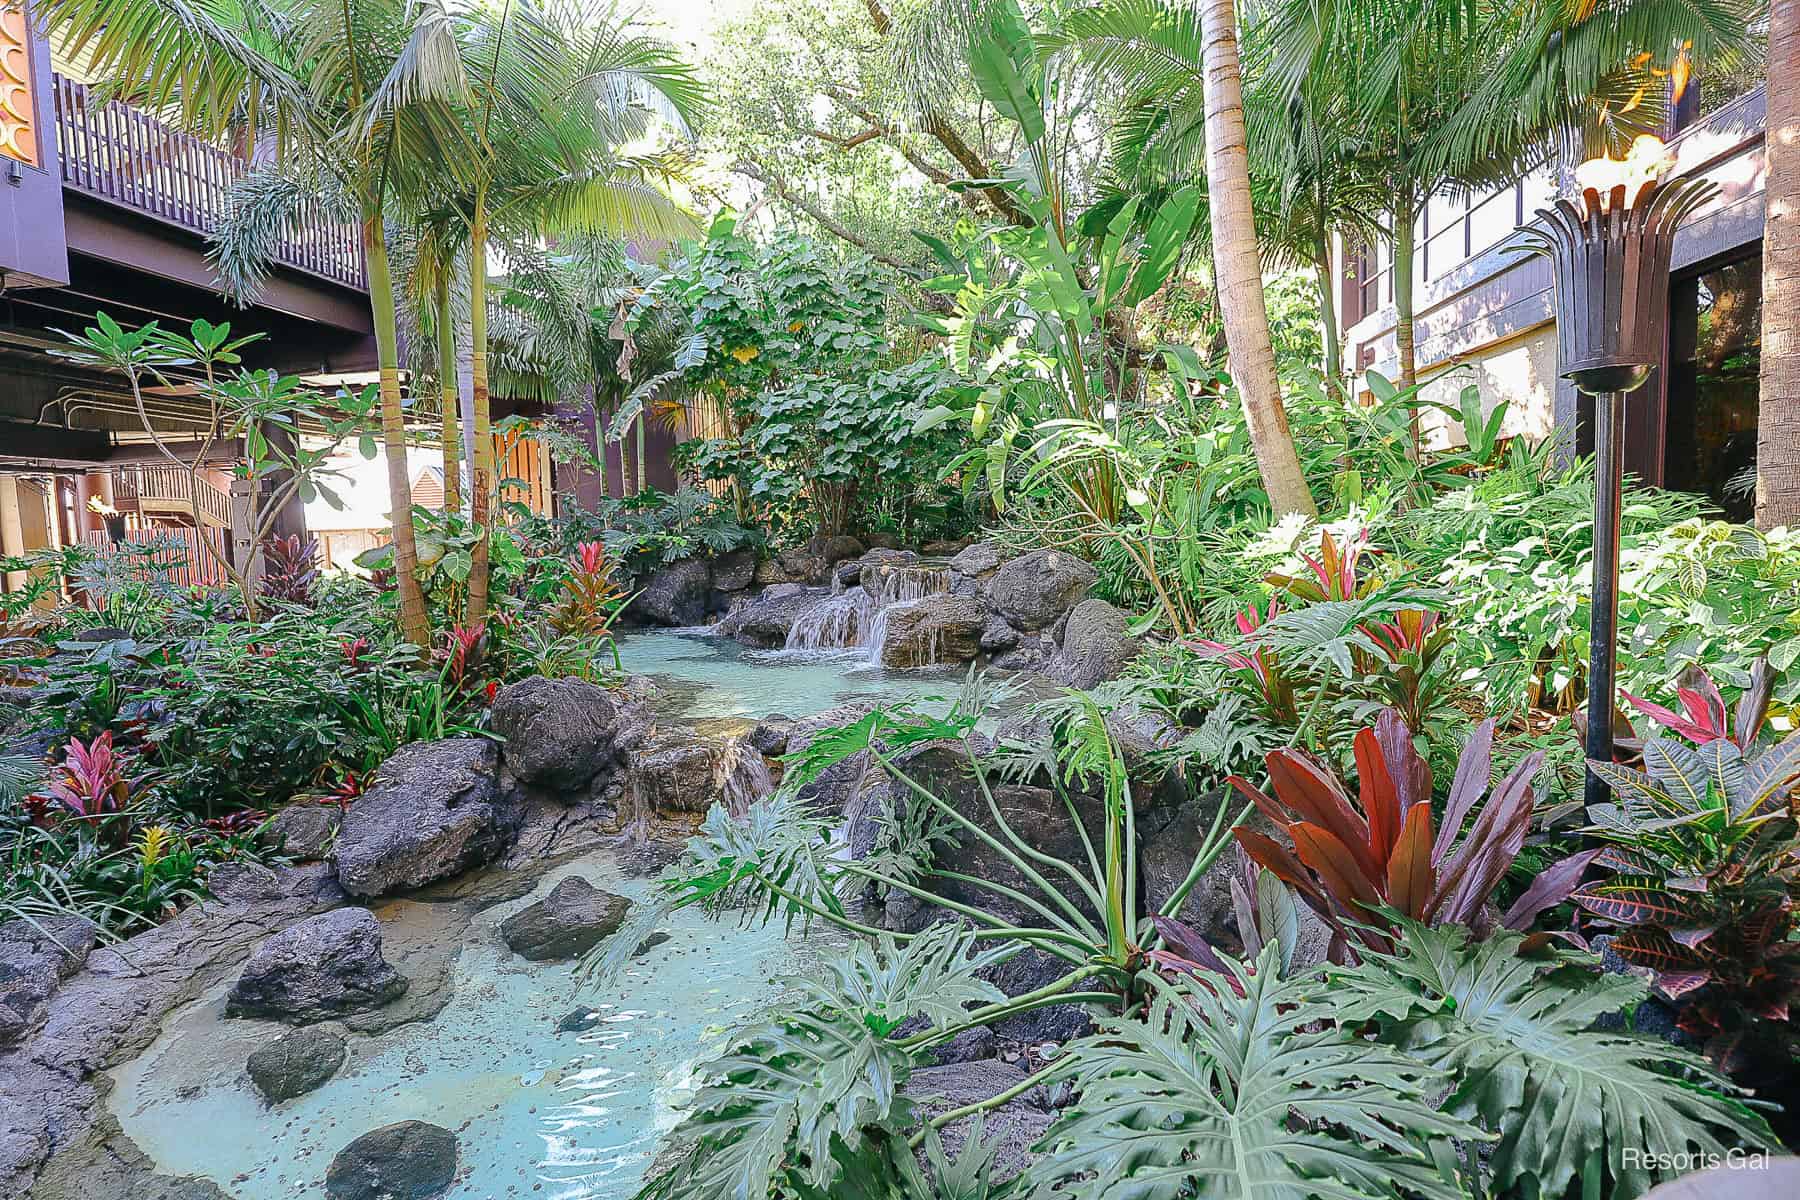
[124,156]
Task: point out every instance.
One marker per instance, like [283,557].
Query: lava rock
[848,573]
[563,734]
[980,559]
[802,564]
[735,571]
[408,1160]
[303,832]
[650,943]
[675,771]
[937,629]
[942,548]
[997,636]
[764,620]
[1035,589]
[1015,1126]
[579,1020]
[769,736]
[568,922]
[674,595]
[323,967]
[296,1062]
[837,548]
[1095,646]
[877,565]
[433,811]
[36,958]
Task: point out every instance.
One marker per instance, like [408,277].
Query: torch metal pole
[1603,626]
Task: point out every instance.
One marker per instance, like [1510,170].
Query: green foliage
[1514,1030]
[1219,1090]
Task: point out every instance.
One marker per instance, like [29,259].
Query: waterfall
[852,619]
[742,776]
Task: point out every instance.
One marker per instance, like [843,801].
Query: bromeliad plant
[1702,860]
[1358,862]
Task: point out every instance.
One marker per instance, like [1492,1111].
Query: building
[1484,314]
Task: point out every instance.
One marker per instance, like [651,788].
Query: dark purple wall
[31,200]
[584,486]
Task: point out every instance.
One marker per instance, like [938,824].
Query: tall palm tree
[356,98]
[1778,413]
[556,94]
[1179,67]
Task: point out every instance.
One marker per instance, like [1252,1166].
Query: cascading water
[853,619]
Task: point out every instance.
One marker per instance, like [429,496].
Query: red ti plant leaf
[1189,953]
[1336,864]
[1311,791]
[1473,771]
[1552,886]
[1380,799]
[1410,877]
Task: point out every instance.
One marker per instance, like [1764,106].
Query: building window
[1715,360]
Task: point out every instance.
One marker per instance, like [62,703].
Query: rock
[675,771]
[764,620]
[997,635]
[650,943]
[579,1020]
[1168,840]
[941,549]
[674,595]
[323,967]
[937,629]
[769,571]
[803,565]
[296,1062]
[837,548]
[848,573]
[432,812]
[1031,654]
[1095,646]
[836,790]
[563,734]
[874,568]
[979,559]
[408,1160]
[769,736]
[735,571]
[303,831]
[568,922]
[36,957]
[881,540]
[971,1045]
[1033,590]
[1015,1126]
[100,633]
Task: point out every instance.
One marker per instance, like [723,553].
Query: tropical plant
[590,601]
[290,569]
[1702,859]
[1355,862]
[1512,1023]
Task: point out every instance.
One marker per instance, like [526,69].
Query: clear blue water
[701,675]
[539,1114]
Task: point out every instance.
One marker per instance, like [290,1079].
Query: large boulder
[735,571]
[875,568]
[562,734]
[325,966]
[567,923]
[1015,1126]
[1095,646]
[980,559]
[1035,589]
[675,595]
[433,811]
[764,620]
[837,547]
[681,771]
[295,1063]
[302,831]
[36,957]
[408,1160]
[937,629]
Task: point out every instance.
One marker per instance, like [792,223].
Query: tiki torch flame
[1645,163]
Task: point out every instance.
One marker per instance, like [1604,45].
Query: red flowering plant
[91,785]
[1701,863]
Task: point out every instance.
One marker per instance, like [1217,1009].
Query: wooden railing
[124,155]
[142,486]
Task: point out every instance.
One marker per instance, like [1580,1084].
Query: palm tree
[555,95]
[1179,66]
[1457,96]
[1778,413]
[357,100]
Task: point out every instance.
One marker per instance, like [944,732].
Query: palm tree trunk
[642,474]
[1404,343]
[415,622]
[1778,413]
[449,399]
[1328,323]
[1239,267]
[481,486]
